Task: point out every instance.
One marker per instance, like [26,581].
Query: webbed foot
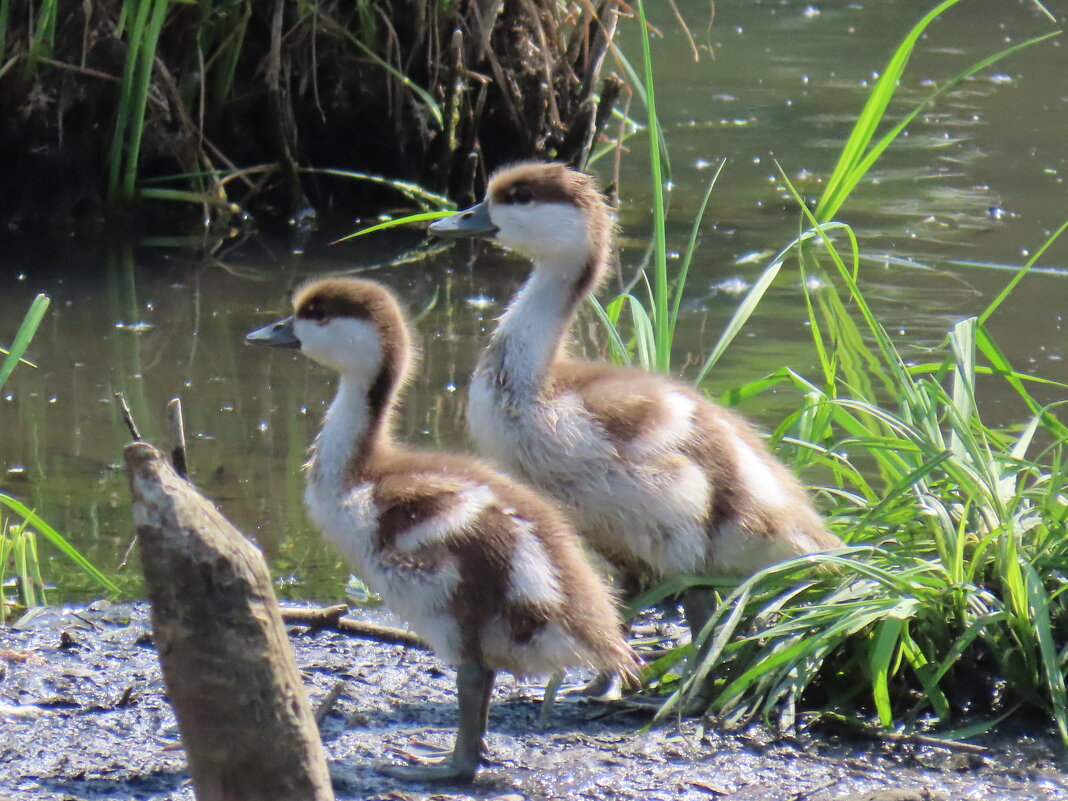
[474,683]
[445,771]
[605,686]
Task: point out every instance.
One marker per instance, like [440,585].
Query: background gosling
[480,566]
[657,478]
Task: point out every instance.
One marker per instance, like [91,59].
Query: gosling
[483,568]
[658,479]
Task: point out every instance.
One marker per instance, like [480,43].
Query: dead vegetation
[265,106]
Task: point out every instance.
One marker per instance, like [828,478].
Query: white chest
[349,520]
[493,429]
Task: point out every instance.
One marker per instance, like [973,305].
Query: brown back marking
[484,558]
[412,486]
[588,611]
[401,512]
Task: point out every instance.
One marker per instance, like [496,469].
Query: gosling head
[352,326]
[546,212]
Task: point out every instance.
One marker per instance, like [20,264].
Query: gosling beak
[279,335]
[475,221]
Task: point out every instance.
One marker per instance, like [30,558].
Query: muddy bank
[84,717]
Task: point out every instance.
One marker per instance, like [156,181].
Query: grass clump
[948,608]
[950,604]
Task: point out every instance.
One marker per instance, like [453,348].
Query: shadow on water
[977,183]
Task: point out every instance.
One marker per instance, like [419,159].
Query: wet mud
[83,715]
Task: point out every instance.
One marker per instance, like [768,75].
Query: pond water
[951,209]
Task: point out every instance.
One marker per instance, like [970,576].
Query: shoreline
[83,705]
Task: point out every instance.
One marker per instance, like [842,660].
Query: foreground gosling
[480,566]
[658,479]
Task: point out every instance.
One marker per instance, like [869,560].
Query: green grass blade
[644,333]
[43,36]
[751,389]
[27,329]
[752,300]
[858,170]
[925,672]
[618,349]
[882,652]
[1039,603]
[5,14]
[992,351]
[139,95]
[691,247]
[1004,293]
[126,95]
[887,139]
[57,540]
[34,560]
[397,221]
[870,116]
[661,321]
[427,99]
[426,199]
[962,339]
[739,318]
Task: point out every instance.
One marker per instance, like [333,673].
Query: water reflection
[158,319]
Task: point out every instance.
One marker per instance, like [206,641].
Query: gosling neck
[532,330]
[357,426]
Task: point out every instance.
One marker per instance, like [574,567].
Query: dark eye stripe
[524,191]
[312,311]
[521,194]
[326,307]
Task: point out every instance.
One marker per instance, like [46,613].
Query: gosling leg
[474,684]
[607,684]
[698,605]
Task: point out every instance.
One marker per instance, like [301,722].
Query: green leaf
[1039,603]
[661,341]
[838,185]
[27,329]
[882,652]
[58,541]
[619,352]
[406,220]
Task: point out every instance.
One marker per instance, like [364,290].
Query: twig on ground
[324,707]
[937,742]
[331,618]
[856,727]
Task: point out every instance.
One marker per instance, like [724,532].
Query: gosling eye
[521,196]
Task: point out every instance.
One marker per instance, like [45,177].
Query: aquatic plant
[950,602]
[18,541]
[949,605]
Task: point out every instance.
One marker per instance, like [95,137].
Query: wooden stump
[245,721]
